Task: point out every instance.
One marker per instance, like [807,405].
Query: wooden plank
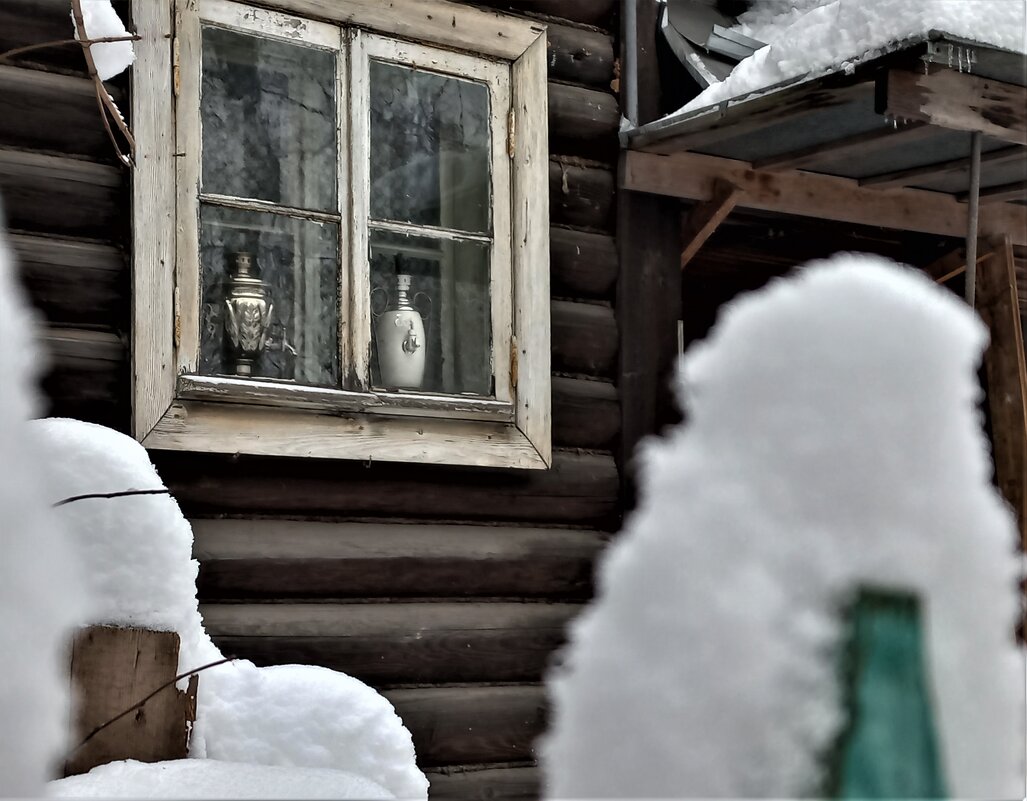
[584,338]
[286,559]
[74,282]
[581,196]
[580,55]
[998,305]
[692,176]
[472,725]
[927,173]
[440,22]
[153,217]
[583,265]
[112,669]
[959,101]
[648,308]
[997,194]
[58,195]
[860,144]
[580,488]
[582,122]
[27,22]
[948,266]
[529,368]
[485,784]
[705,218]
[397,643]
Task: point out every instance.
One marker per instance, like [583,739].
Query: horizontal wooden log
[46,111]
[580,488]
[584,338]
[73,282]
[582,264]
[600,13]
[472,725]
[250,559]
[581,196]
[582,122]
[580,55]
[86,377]
[28,22]
[488,784]
[586,414]
[397,643]
[59,195]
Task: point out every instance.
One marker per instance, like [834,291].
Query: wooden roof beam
[929,172]
[858,144]
[959,101]
[996,194]
[692,176]
[706,217]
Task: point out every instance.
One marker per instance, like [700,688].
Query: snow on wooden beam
[692,176]
[959,101]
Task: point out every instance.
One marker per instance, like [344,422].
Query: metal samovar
[248,310]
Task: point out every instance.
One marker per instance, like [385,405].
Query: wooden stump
[112,669]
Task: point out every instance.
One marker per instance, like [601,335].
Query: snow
[137,556]
[102,21]
[207,778]
[40,591]
[815,37]
[832,440]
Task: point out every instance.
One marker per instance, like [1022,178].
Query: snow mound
[832,441]
[207,778]
[815,37]
[40,589]
[137,555]
[102,22]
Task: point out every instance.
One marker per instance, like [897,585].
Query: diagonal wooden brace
[706,217]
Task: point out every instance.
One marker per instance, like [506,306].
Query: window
[342,221]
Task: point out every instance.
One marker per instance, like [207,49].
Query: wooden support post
[1007,377]
[112,669]
[706,217]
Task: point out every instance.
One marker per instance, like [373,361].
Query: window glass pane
[429,148]
[269,120]
[269,307]
[431,315]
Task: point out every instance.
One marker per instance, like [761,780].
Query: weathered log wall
[469,576]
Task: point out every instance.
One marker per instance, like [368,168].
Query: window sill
[213,427]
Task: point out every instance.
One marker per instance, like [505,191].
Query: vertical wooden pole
[649,282]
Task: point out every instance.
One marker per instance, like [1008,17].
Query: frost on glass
[449,292]
[269,120]
[297,263]
[430,148]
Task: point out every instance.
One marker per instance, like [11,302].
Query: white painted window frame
[173,409]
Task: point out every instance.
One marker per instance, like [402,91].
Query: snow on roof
[832,441]
[810,38]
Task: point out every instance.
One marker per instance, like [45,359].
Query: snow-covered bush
[137,555]
[40,592]
[832,440]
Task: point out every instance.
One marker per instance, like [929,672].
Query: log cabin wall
[447,588]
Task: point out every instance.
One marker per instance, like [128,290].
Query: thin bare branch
[121,494]
[138,704]
[108,109]
[20,51]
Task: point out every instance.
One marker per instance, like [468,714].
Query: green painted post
[888,748]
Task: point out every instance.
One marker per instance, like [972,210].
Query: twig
[138,704]
[108,109]
[20,51]
[121,494]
